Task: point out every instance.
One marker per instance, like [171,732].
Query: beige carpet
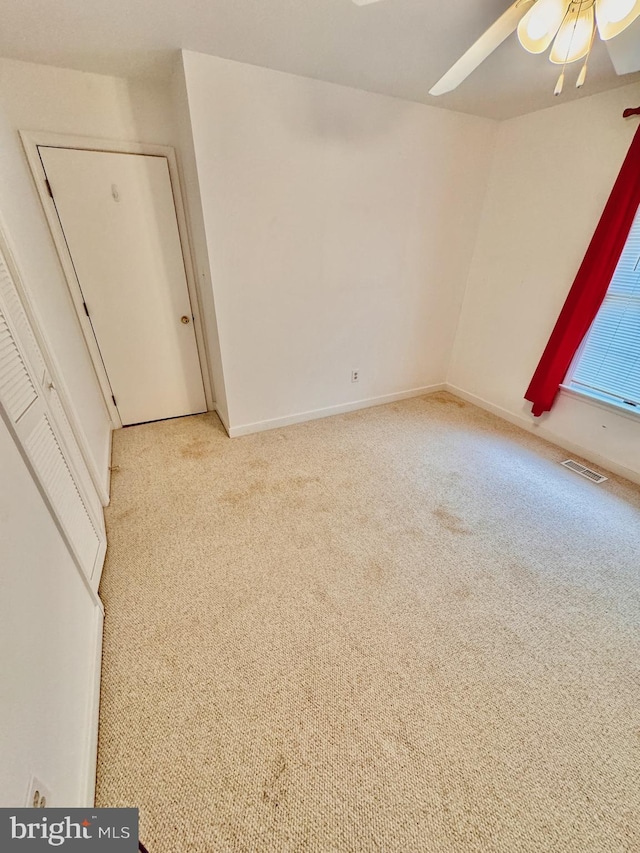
[403,629]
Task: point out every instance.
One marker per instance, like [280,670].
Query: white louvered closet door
[37,418]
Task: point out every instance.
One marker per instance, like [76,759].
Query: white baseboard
[548,435]
[222,419]
[88,792]
[301,417]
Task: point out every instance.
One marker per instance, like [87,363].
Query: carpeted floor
[404,629]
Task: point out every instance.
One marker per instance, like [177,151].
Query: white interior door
[119,221]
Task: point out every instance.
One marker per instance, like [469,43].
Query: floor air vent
[584,472]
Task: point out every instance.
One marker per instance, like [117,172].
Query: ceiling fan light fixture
[569,26]
[539,26]
[575,35]
[614,16]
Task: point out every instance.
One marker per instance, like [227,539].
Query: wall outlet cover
[38,794]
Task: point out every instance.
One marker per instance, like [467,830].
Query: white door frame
[31,140]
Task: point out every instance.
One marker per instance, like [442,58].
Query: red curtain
[590,285]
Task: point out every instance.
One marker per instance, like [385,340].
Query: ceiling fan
[569,24]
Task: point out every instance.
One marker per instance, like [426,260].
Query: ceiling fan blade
[484,47]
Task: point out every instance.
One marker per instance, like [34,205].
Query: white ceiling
[396,47]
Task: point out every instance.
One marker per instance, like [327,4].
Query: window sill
[599,403]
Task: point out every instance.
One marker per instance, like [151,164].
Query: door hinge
[86,310]
[48,185]
[114,401]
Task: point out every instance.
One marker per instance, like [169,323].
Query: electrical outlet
[38,794]
[355,375]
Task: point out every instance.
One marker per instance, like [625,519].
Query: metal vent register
[594,476]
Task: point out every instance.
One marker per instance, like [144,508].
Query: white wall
[191,188]
[340,226]
[35,97]
[48,633]
[551,176]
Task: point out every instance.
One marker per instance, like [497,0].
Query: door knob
[185,319]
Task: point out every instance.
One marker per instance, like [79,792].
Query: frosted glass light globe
[538,27]
[616,10]
[614,16]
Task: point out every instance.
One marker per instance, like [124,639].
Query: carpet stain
[522,573]
[322,596]
[446,400]
[452,522]
[236,497]
[196,449]
[462,593]
[291,484]
[378,570]
[300,481]
[304,540]
[121,516]
[414,533]
[275,789]
[260,488]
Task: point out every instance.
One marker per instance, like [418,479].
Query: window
[607,365]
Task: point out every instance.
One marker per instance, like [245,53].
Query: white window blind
[608,364]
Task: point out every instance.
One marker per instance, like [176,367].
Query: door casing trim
[31,141]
